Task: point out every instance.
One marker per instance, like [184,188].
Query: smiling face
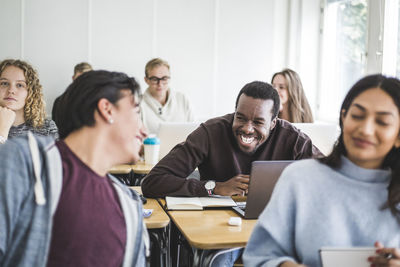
[13,89]
[157,79]
[280,84]
[252,122]
[128,126]
[371,128]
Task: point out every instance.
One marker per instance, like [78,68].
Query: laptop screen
[263,177]
[173,133]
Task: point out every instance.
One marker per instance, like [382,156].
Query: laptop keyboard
[241,205]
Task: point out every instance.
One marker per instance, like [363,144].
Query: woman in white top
[160,103]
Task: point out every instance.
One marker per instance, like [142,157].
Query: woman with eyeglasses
[160,103]
[351,198]
[22,107]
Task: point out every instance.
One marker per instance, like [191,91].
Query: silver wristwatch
[210,185]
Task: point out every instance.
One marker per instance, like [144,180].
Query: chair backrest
[323,135]
[173,133]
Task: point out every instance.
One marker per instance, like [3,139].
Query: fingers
[385,256]
[378,244]
[242,178]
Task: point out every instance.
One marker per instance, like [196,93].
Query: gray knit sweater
[315,206]
[49,128]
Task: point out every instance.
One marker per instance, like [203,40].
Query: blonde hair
[82,67]
[155,62]
[298,106]
[34,109]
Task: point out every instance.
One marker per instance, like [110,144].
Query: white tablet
[346,257]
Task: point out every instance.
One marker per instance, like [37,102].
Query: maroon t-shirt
[88,225]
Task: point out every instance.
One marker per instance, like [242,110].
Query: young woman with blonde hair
[294,104]
[22,107]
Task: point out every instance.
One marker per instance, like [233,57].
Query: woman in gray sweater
[22,107]
[350,198]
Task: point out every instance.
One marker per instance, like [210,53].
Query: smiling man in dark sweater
[223,148]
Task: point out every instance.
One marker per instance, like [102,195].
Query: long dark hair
[392,160]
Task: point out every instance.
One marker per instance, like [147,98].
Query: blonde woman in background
[294,105]
[22,107]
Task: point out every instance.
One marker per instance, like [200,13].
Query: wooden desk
[141,168]
[121,169]
[138,168]
[130,174]
[159,219]
[209,229]
[208,232]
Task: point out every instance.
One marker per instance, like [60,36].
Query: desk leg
[137,178]
[160,255]
[198,257]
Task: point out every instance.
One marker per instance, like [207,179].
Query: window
[343,57]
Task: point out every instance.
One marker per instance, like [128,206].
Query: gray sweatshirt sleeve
[14,188]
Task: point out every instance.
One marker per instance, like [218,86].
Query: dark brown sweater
[212,148]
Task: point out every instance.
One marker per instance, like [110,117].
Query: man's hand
[7,118]
[237,185]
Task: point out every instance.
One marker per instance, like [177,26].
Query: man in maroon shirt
[89,226]
[58,205]
[223,148]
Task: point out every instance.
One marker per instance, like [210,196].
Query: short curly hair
[34,109]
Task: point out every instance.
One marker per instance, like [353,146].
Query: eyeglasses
[156,80]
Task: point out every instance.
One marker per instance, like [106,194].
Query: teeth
[247,140]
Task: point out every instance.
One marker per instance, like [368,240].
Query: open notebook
[198,203]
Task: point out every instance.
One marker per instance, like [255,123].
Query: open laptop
[263,177]
[173,133]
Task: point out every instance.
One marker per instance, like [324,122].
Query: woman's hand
[7,118]
[385,256]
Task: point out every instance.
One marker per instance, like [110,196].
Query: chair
[323,135]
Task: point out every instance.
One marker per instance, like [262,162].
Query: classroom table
[121,169]
[208,232]
[158,225]
[123,172]
[131,174]
[141,168]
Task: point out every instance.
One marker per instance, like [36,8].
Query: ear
[273,124]
[105,109]
[147,80]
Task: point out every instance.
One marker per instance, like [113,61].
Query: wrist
[4,130]
[210,186]
[2,139]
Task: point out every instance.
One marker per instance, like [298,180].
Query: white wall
[214,47]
